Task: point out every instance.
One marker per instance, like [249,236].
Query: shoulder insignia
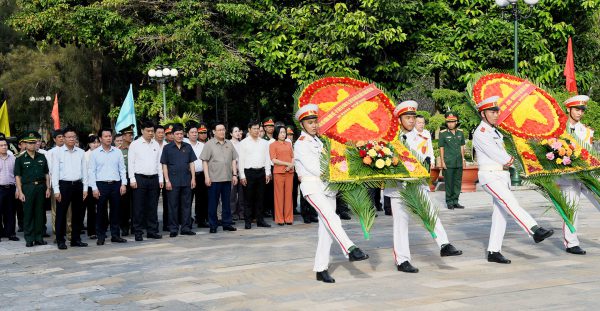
[301,138]
[482,129]
[444,130]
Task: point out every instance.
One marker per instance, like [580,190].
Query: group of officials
[119,184]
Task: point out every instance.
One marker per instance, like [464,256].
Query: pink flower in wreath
[566,160]
[409,166]
[343,166]
[556,145]
[550,156]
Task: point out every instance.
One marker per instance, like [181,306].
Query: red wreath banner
[526,110]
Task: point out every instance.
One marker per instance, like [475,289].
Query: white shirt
[307,155]
[144,158]
[198,146]
[254,153]
[491,155]
[421,144]
[581,132]
[50,155]
[69,165]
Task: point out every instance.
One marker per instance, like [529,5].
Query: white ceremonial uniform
[492,157]
[401,217]
[307,153]
[421,144]
[573,188]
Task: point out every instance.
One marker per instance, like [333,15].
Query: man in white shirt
[146,180]
[419,140]
[59,141]
[159,137]
[200,192]
[69,183]
[255,173]
[494,178]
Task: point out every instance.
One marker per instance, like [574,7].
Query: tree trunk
[96,99]
[199,97]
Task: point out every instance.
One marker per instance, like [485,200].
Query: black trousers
[200,194]
[110,193]
[165,215]
[145,204]
[375,194]
[89,208]
[7,209]
[340,205]
[180,209]
[126,206]
[253,194]
[71,193]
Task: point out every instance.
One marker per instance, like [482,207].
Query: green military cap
[30,137]
[451,116]
[127,130]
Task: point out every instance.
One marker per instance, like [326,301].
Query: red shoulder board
[301,138]
[482,129]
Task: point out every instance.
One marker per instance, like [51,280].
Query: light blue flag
[127,114]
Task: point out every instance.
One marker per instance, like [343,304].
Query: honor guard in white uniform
[406,112]
[576,106]
[494,178]
[307,153]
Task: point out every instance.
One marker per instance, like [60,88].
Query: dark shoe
[78,244]
[155,236]
[407,267]
[289,223]
[459,206]
[139,238]
[541,234]
[357,255]
[314,219]
[93,237]
[100,242]
[29,244]
[213,230]
[46,235]
[449,250]
[306,220]
[13,238]
[248,226]
[42,242]
[451,206]
[125,232]
[229,228]
[281,224]
[388,211]
[263,224]
[497,257]
[188,233]
[203,225]
[576,250]
[117,239]
[345,216]
[325,277]
[173,234]
[62,245]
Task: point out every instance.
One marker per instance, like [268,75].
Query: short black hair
[217,123]
[177,128]
[147,124]
[158,126]
[69,129]
[104,129]
[118,135]
[278,130]
[253,123]
[2,138]
[420,116]
[191,125]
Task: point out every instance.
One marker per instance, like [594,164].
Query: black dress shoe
[100,242]
[497,257]
[42,242]
[62,245]
[155,236]
[248,226]
[29,244]
[459,206]
[576,250]
[229,228]
[357,255]
[78,244]
[117,239]
[289,223]
[306,220]
[173,234]
[125,232]
[541,234]
[449,250]
[325,277]
[407,267]
[13,238]
[188,233]
[203,224]
[213,230]
[451,206]
[263,224]
[314,219]
[139,238]
[281,224]
[345,216]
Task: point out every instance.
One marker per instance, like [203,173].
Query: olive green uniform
[452,144]
[33,172]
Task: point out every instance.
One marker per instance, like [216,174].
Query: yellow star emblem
[525,110]
[358,115]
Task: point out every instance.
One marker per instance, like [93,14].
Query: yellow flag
[4,127]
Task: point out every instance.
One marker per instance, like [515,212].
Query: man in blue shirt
[179,172]
[106,176]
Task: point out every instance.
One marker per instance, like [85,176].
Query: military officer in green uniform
[452,153]
[33,187]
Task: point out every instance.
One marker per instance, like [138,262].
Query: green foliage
[458,102]
[417,202]
[359,201]
[546,185]
[590,180]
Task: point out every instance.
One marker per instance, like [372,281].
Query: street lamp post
[40,100]
[516,16]
[162,76]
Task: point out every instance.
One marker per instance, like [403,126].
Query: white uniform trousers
[504,203]
[573,190]
[401,244]
[330,229]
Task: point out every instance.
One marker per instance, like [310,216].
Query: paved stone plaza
[270,269]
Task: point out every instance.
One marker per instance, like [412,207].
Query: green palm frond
[360,203]
[565,207]
[590,180]
[183,119]
[417,202]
